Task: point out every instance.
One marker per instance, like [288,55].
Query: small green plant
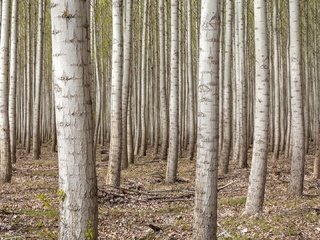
[89,233]
[61,195]
[43,198]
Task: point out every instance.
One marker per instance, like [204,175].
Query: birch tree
[38,80]
[162,77]
[192,138]
[205,209]
[172,164]
[126,79]
[13,80]
[258,171]
[5,157]
[77,174]
[297,121]
[114,167]
[227,94]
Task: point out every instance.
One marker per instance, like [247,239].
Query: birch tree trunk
[13,80]
[125,83]
[29,79]
[5,159]
[258,171]
[227,92]
[192,137]
[39,67]
[143,73]
[77,173]
[114,168]
[297,122]
[163,95]
[205,210]
[276,78]
[172,164]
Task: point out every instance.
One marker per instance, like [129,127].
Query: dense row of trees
[197,79]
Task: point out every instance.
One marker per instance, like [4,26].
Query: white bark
[192,138]
[114,167]
[163,95]
[5,160]
[39,67]
[77,174]
[172,164]
[13,79]
[258,171]
[227,91]
[205,210]
[297,121]
[125,83]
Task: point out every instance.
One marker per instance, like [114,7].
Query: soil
[147,208]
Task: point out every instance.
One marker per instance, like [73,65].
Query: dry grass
[29,205]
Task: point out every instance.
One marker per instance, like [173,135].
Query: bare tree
[205,209]
[114,168]
[172,164]
[258,171]
[77,174]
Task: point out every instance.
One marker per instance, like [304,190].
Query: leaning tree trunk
[13,80]
[5,159]
[258,171]
[172,164]
[297,122]
[114,168]
[77,173]
[205,210]
[39,67]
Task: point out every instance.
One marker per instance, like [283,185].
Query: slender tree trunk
[125,83]
[205,210]
[114,168]
[29,80]
[258,171]
[192,136]
[227,92]
[297,122]
[276,78]
[172,164]
[77,173]
[5,159]
[163,95]
[13,80]
[39,67]
[143,73]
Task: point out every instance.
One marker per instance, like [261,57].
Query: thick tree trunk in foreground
[258,171]
[205,210]
[77,174]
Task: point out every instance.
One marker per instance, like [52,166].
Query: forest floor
[147,208]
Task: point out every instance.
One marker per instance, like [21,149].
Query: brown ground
[28,206]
